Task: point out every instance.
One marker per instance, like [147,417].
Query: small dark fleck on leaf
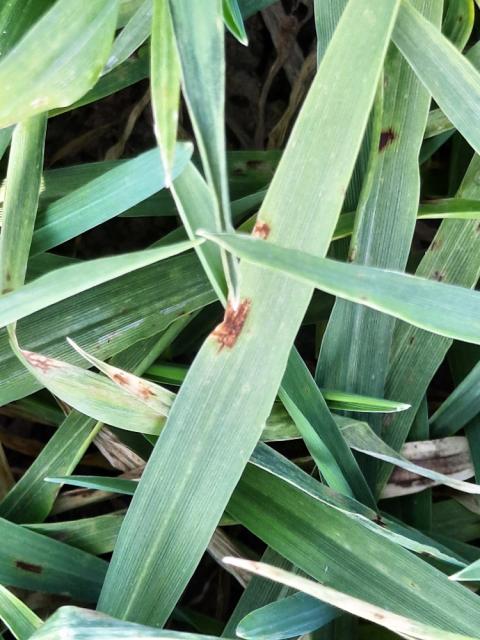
[438,275]
[411,339]
[227,332]
[378,520]
[386,138]
[27,566]
[388,419]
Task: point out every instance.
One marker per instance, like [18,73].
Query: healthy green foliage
[58,60]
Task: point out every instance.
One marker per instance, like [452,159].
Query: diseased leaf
[446,310]
[250,345]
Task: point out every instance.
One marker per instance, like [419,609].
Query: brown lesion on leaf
[227,332]
[120,379]
[261,230]
[43,363]
[137,386]
[386,138]
[477,228]
[436,245]
[438,276]
[28,566]
[145,392]
[411,339]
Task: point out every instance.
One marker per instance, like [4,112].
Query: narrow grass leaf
[104,197]
[35,78]
[68,281]
[96,535]
[469,574]
[129,72]
[174,374]
[460,407]
[289,617]
[31,499]
[93,394]
[234,20]
[132,36]
[346,556]
[304,401]
[196,206]
[271,462]
[355,606]
[458,22]
[82,624]
[16,616]
[203,81]
[21,200]
[452,80]
[390,529]
[113,485]
[362,438]
[358,336]
[444,309]
[157,398]
[31,561]
[165,83]
[105,319]
[250,345]
[454,257]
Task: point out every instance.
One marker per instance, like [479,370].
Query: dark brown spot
[352,254]
[436,244]
[145,392]
[477,228]
[386,138]
[6,290]
[227,332]
[8,276]
[40,362]
[261,230]
[27,566]
[120,379]
[438,275]
[378,520]
[378,616]
[411,339]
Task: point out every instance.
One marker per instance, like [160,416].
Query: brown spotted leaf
[153,395]
[356,606]
[91,393]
